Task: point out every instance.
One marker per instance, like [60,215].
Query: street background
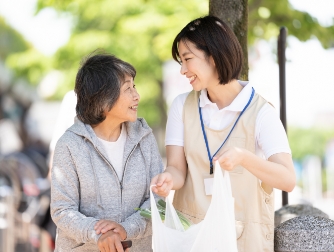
[42,43]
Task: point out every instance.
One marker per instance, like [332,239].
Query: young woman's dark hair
[212,36]
[98,84]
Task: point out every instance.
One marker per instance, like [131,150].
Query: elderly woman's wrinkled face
[125,108]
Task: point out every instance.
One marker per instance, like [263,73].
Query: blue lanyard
[204,134]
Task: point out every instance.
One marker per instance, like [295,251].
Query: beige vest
[254,206]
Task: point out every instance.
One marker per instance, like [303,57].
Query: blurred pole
[281,45]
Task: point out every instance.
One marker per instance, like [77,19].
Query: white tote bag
[216,233]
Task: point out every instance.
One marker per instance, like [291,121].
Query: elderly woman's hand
[110,242]
[103,226]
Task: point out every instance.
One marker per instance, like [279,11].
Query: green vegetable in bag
[161,205]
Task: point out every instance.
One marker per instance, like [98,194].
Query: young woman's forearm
[176,165]
[177,175]
[277,171]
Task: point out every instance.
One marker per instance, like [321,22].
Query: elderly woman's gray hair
[98,84]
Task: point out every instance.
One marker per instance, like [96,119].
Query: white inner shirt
[270,136]
[115,151]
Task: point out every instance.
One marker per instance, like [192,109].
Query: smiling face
[199,69]
[125,108]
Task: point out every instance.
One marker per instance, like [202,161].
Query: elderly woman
[104,163]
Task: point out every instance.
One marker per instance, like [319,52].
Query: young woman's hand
[103,226]
[110,242]
[230,158]
[163,184]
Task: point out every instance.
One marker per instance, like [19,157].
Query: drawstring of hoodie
[97,189]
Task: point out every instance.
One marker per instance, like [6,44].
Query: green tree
[140,32]
[263,19]
[267,16]
[235,14]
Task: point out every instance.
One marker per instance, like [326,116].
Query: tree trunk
[235,14]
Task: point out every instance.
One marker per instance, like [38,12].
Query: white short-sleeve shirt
[270,136]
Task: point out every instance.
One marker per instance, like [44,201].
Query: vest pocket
[258,238]
[267,205]
[268,238]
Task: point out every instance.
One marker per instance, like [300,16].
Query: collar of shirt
[237,104]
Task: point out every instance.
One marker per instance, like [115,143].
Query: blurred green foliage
[10,41]
[21,57]
[30,64]
[309,141]
[137,31]
[141,32]
[267,16]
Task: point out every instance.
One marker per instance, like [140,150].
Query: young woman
[226,120]
[103,164]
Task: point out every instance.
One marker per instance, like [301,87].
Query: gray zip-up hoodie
[85,187]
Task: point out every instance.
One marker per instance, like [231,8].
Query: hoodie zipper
[107,163]
[126,162]
[121,182]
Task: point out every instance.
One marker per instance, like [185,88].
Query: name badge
[208,184]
